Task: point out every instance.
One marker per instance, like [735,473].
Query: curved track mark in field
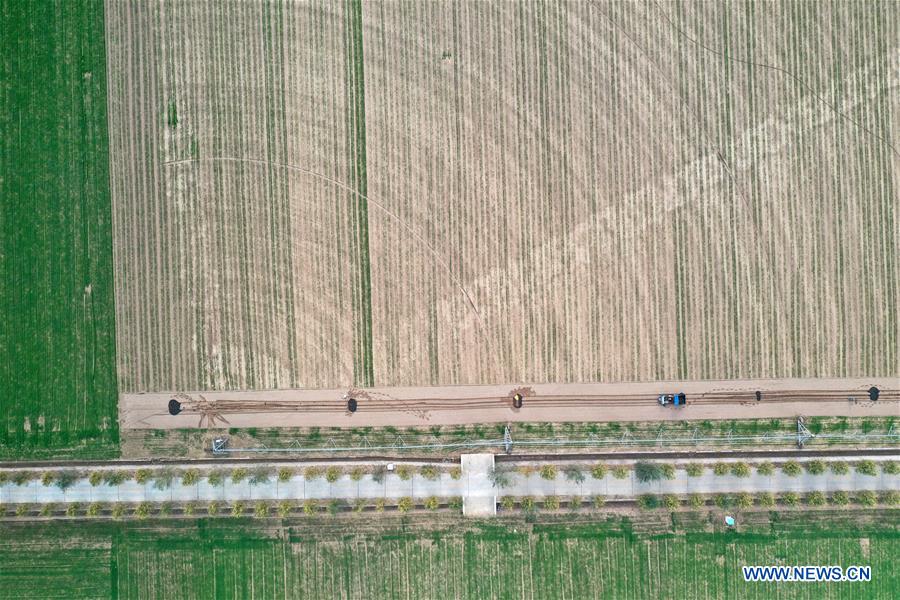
[802,83]
[434,253]
[692,110]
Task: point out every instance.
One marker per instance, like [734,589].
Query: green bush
[647,502]
[114,478]
[548,472]
[815,467]
[648,471]
[722,500]
[507,503]
[284,508]
[693,469]
[21,510]
[839,468]
[766,499]
[575,502]
[866,467]
[95,478]
[720,468]
[765,468]
[744,500]
[696,500]
[21,478]
[668,471]
[94,509]
[72,509]
[815,499]
[212,509]
[189,509]
[261,510]
[671,501]
[162,480]
[378,474]
[840,498]
[791,468]
[527,503]
[190,477]
[790,499]
[118,511]
[238,475]
[455,473]
[574,473]
[499,478]
[890,498]
[47,478]
[237,509]
[47,509]
[260,476]
[456,503]
[285,474]
[598,471]
[65,479]
[429,472]
[310,507]
[866,498]
[142,511]
[166,509]
[432,503]
[599,501]
[550,503]
[620,472]
[332,474]
[142,476]
[740,469]
[313,473]
[405,473]
[405,504]
[891,467]
[215,478]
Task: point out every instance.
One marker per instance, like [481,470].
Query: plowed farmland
[324,195]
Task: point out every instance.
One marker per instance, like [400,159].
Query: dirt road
[449,405]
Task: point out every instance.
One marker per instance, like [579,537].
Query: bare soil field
[316,195]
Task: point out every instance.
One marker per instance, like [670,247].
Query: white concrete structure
[479,495]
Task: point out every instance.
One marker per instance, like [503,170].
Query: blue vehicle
[678,400]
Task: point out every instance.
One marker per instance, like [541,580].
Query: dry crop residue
[325,195]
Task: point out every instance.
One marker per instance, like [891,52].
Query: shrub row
[741,500]
[644,471]
[654,471]
[163,478]
[259,508]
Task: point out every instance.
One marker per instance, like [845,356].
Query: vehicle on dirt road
[677,400]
